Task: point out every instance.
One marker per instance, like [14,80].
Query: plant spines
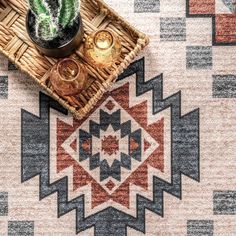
[47,25]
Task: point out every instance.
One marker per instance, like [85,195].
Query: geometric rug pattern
[156,155]
[104,171]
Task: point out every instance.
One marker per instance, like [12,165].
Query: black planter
[67,41]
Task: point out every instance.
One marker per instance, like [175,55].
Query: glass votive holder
[68,77]
[102,48]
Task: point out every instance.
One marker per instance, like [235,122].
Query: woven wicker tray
[15,44]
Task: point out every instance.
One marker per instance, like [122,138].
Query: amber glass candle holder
[68,77]
[102,48]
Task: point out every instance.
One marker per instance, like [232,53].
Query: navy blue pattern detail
[114,120]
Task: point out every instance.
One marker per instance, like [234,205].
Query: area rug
[156,156]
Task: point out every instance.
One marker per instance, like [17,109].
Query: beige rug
[156,156]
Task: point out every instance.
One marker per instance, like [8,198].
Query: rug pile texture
[156,156]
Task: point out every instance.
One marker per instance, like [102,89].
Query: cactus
[49,21]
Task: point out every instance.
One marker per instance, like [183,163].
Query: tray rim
[142,41]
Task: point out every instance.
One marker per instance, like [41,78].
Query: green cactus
[49,21]
[45,28]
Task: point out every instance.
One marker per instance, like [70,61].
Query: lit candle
[68,77]
[103,39]
[68,69]
[102,48]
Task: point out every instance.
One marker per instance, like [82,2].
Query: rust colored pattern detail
[110,145]
[223,24]
[201,7]
[225,28]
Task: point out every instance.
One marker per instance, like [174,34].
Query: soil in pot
[61,46]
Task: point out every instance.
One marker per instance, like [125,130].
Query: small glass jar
[102,48]
[68,77]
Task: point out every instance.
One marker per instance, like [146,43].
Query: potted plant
[55,26]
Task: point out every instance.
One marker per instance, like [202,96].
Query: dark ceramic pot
[68,40]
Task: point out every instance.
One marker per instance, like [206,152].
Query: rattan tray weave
[15,44]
